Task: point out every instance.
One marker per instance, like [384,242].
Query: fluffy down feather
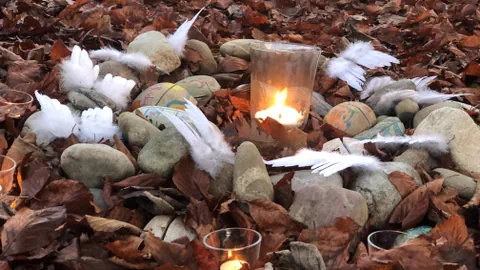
[179,39]
[97,125]
[390,99]
[375,84]
[347,71]
[207,144]
[327,163]
[428,96]
[136,60]
[53,121]
[116,88]
[78,71]
[364,54]
[422,83]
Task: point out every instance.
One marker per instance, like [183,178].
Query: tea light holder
[6,173]
[385,240]
[282,78]
[234,248]
[14,102]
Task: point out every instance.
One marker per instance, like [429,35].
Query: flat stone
[423,113]
[390,126]
[464,185]
[305,178]
[165,95]
[91,163]
[136,130]
[238,48]
[80,101]
[357,149]
[163,152]
[351,117]
[200,87]
[318,206]
[178,230]
[462,134]
[158,225]
[417,158]
[207,64]
[250,176]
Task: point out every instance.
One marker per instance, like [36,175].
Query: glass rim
[295,47]
[369,241]
[30,98]
[232,249]
[12,160]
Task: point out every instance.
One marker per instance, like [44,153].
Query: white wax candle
[285,115]
[232,265]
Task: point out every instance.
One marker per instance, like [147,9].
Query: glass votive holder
[14,103]
[6,173]
[282,79]
[234,248]
[385,240]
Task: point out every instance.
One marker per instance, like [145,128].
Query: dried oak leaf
[231,64]
[283,190]
[403,182]
[164,252]
[411,210]
[272,217]
[128,249]
[190,180]
[142,180]
[199,217]
[100,224]
[332,242]
[30,230]
[59,50]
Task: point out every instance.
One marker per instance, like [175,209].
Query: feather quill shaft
[179,39]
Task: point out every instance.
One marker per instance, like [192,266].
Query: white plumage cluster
[116,88]
[327,163]
[56,120]
[78,71]
[136,60]
[179,39]
[348,65]
[208,147]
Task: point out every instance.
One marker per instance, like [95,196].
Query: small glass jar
[385,240]
[6,173]
[282,79]
[14,103]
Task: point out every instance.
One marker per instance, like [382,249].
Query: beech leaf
[100,224]
[403,182]
[190,180]
[272,217]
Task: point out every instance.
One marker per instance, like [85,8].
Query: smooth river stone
[207,64]
[464,185]
[238,48]
[200,87]
[165,95]
[136,130]
[351,117]
[423,113]
[390,126]
[304,178]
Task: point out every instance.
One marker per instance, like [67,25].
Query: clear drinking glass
[14,103]
[282,79]
[234,248]
[6,173]
[385,240]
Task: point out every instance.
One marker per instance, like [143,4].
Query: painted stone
[390,126]
[351,117]
[166,95]
[200,87]
[156,115]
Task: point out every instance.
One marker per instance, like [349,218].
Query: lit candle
[285,115]
[232,265]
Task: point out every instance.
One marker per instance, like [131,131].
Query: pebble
[319,104]
[238,48]
[207,63]
[155,45]
[464,185]
[250,177]
[351,117]
[177,229]
[91,163]
[423,113]
[136,130]
[80,101]
[158,225]
[166,95]
[403,84]
[84,99]
[155,114]
[381,195]
[200,87]
[304,178]
[462,134]
[390,126]
[98,197]
[406,110]
[118,69]
[318,206]
[417,158]
[163,152]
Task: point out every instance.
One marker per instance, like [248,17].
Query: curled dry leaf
[128,249]
[272,217]
[32,177]
[271,242]
[142,180]
[23,72]
[231,213]
[283,190]
[59,51]
[164,252]
[190,180]
[231,64]
[100,224]
[199,217]
[403,182]
[241,104]
[122,148]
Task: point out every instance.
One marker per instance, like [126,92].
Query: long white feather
[327,163]
[54,121]
[97,125]
[428,96]
[365,55]
[347,71]
[179,39]
[135,60]
[422,83]
[375,84]
[390,99]
[116,88]
[435,144]
[207,144]
[78,71]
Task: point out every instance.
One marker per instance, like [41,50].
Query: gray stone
[238,48]
[462,134]
[155,45]
[158,225]
[306,177]
[162,153]
[222,185]
[417,158]
[381,195]
[136,130]
[399,85]
[91,163]
[207,64]
[200,87]
[390,126]
[406,110]
[177,230]
[318,206]
[80,101]
[98,197]
[423,113]
[250,177]
[320,105]
[464,185]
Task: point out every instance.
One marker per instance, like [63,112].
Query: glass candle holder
[385,240]
[282,79]
[234,248]
[14,103]
[6,173]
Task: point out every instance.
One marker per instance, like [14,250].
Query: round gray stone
[238,48]
[136,130]
[207,64]
[464,185]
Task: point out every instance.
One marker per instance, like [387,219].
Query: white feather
[97,125]
[435,144]
[135,60]
[365,55]
[327,163]
[78,71]
[390,99]
[428,96]
[53,121]
[375,84]
[207,144]
[116,88]
[347,71]
[422,83]
[179,39]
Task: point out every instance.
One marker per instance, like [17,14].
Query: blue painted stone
[390,126]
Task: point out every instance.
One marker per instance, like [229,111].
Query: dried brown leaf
[270,242]
[203,257]
[131,265]
[164,252]
[240,103]
[59,50]
[283,190]
[32,177]
[128,249]
[122,148]
[100,224]
[403,182]
[272,217]
[190,180]
[23,72]
[470,42]
[199,217]
[4,266]
[231,213]
[232,64]
[170,266]
[142,180]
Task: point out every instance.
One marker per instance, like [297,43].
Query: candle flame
[229,255]
[280,98]
[279,111]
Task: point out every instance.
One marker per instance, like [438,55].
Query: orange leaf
[470,42]
[403,182]
[59,51]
